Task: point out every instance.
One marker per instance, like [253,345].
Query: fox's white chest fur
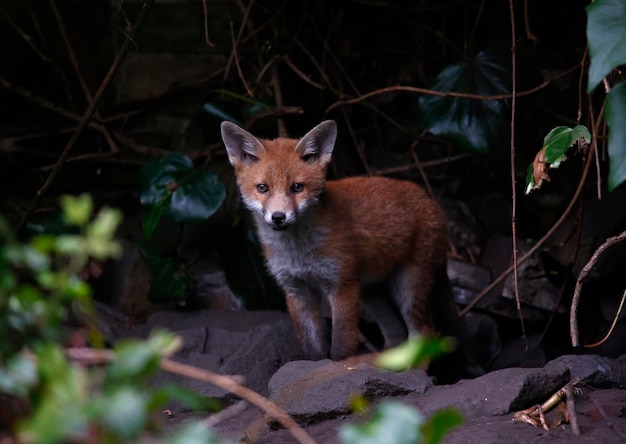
[293,257]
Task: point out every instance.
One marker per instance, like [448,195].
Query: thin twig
[70,52]
[570,391]
[432,92]
[272,112]
[205,11]
[320,70]
[300,74]
[277,13]
[98,356]
[613,324]
[579,283]
[358,145]
[236,40]
[518,302]
[278,97]
[236,59]
[426,164]
[39,101]
[538,244]
[529,34]
[85,119]
[420,168]
[88,96]
[243,392]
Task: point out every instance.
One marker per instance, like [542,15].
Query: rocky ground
[260,347]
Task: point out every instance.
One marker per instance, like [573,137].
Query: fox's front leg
[307,322]
[344,306]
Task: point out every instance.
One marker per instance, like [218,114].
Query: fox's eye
[297,187]
[262,188]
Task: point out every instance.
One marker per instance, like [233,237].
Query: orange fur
[328,239]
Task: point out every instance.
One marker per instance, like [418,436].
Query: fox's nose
[279,217]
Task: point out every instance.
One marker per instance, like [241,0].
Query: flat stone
[597,371]
[496,393]
[311,391]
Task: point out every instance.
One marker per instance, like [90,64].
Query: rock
[484,342]
[535,290]
[521,351]
[495,393]
[537,294]
[467,280]
[251,345]
[597,371]
[312,391]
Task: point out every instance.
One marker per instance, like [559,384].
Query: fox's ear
[241,146]
[318,144]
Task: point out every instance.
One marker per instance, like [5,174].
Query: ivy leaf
[171,186]
[606,34]
[160,176]
[474,125]
[198,197]
[615,115]
[151,220]
[555,145]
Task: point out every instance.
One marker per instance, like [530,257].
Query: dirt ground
[601,415]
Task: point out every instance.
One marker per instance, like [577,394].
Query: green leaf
[122,411]
[132,359]
[171,279]
[60,409]
[151,220]
[560,139]
[159,177]
[105,223]
[76,209]
[170,186]
[474,125]
[163,342]
[76,289]
[70,244]
[439,424]
[615,115]
[27,256]
[606,34]
[555,146]
[417,350]
[194,433]
[198,197]
[18,374]
[393,423]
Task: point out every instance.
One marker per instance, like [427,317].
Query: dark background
[294,60]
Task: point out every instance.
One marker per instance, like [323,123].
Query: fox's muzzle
[278,221]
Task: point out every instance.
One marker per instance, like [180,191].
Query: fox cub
[329,239]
